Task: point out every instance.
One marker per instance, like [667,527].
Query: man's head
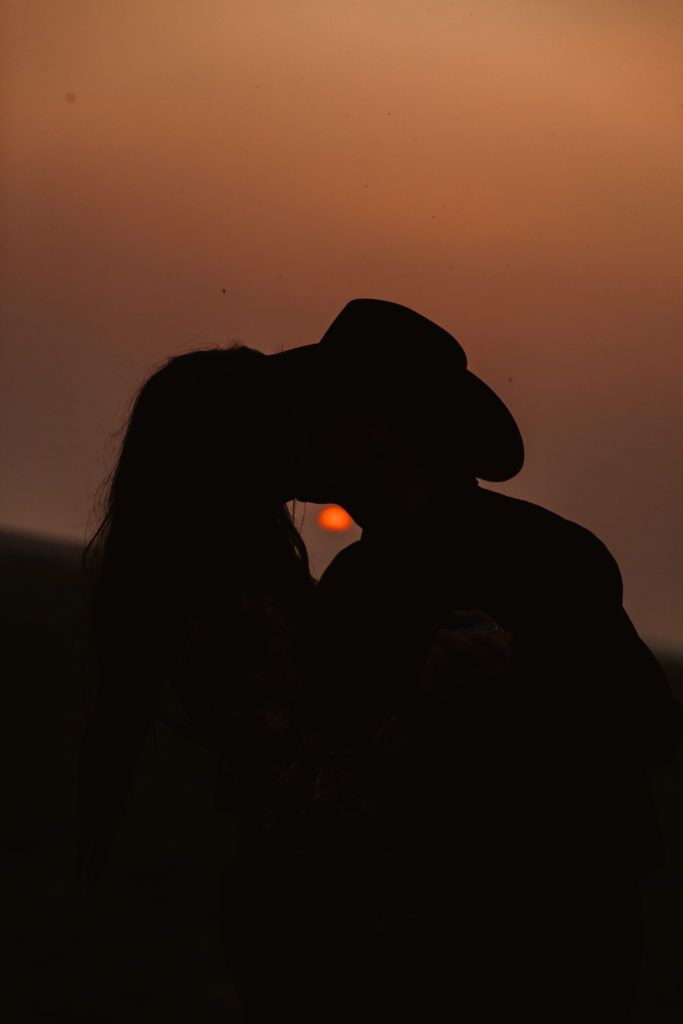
[358,442]
[385,384]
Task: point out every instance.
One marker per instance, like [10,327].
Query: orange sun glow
[332,517]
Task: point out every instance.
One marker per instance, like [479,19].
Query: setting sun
[332,517]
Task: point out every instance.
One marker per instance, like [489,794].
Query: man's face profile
[338,452]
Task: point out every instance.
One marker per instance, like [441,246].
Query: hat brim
[492,432]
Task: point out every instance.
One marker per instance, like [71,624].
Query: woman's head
[194,523]
[199,475]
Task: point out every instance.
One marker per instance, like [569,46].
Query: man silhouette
[521,812]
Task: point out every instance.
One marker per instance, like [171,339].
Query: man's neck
[388,508]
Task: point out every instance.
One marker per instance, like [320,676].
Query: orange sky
[510,168]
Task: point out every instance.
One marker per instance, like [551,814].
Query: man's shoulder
[544,543]
[540,527]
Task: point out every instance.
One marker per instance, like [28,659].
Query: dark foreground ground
[147,949]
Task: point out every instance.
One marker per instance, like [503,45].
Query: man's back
[542,795]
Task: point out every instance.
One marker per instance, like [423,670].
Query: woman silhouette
[201,583]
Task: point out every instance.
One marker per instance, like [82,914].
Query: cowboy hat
[404,361]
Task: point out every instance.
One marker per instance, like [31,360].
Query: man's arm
[656,717]
[600,671]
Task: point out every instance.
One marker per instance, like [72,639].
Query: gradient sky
[510,169]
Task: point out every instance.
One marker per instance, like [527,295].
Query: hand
[466,668]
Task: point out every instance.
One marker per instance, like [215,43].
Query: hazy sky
[509,168]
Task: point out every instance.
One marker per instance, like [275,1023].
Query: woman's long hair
[194,521]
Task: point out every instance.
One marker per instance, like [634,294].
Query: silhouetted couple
[437,755]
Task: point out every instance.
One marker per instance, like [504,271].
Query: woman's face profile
[263,442]
[299,451]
